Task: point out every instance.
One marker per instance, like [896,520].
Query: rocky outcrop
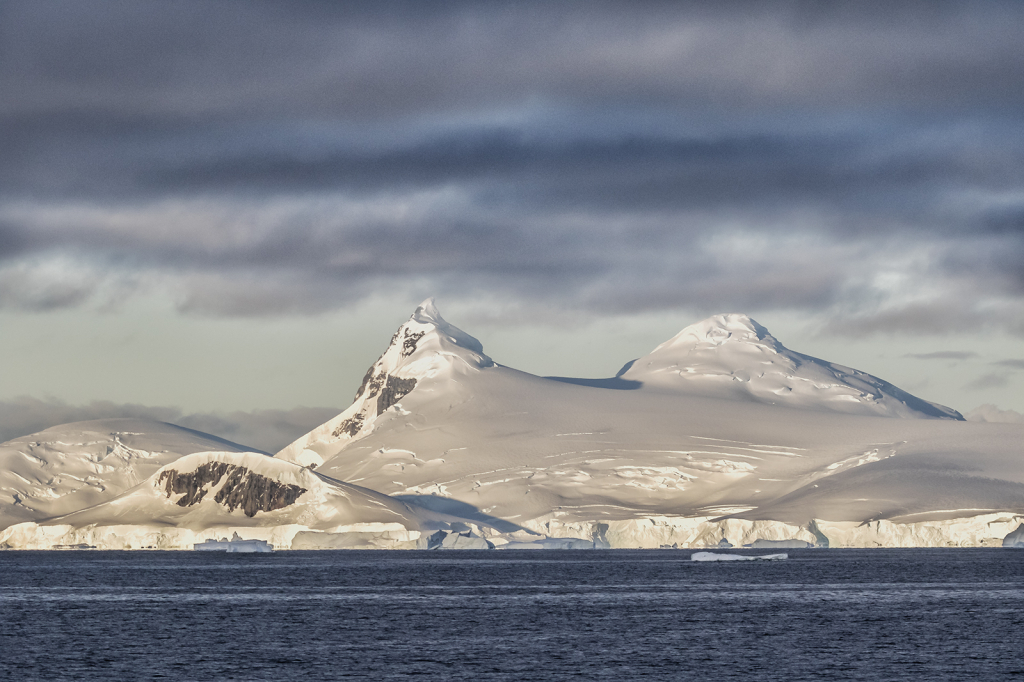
[243,488]
[350,426]
[377,382]
[394,390]
[409,342]
[366,380]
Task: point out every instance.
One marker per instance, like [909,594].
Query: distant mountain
[723,422]
[724,356]
[77,465]
[732,356]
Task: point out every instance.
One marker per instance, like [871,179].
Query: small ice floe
[552,543]
[712,556]
[235,544]
[80,545]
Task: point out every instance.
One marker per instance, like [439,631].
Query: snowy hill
[708,454]
[77,465]
[214,494]
[732,356]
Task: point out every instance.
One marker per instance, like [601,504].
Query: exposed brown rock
[244,488]
[350,426]
[366,380]
[410,341]
[394,390]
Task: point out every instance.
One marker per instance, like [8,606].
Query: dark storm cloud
[1012,364]
[279,158]
[13,241]
[633,172]
[256,60]
[266,430]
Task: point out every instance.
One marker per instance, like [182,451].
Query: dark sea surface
[948,614]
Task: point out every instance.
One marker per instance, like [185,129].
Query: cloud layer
[859,164]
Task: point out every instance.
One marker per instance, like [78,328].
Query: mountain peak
[722,328]
[426,320]
[425,350]
[427,313]
[731,355]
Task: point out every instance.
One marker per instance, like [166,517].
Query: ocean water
[950,614]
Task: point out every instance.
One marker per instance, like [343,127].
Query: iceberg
[1015,539]
[711,556]
[235,544]
[551,543]
[780,544]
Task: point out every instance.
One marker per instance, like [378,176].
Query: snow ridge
[733,356]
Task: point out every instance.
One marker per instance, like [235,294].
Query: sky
[218,213]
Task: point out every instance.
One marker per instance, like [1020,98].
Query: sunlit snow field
[544,615]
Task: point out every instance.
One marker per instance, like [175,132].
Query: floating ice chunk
[235,544]
[1016,538]
[464,541]
[780,544]
[711,556]
[453,540]
[552,543]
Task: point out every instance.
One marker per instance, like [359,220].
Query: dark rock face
[376,383]
[351,425]
[194,485]
[410,341]
[394,390]
[366,380]
[372,383]
[244,488]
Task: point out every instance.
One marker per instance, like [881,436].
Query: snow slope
[77,465]
[675,453]
[214,494]
[732,356]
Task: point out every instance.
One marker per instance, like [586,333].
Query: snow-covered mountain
[77,465]
[720,434]
[214,494]
[426,354]
[708,446]
[732,356]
